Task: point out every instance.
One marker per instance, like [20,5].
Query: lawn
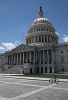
[62,76]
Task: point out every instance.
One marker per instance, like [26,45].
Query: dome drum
[38,38]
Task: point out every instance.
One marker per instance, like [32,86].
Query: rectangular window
[41,69]
[45,69]
[39,39]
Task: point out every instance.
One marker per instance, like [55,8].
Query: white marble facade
[41,54]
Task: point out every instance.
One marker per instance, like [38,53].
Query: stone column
[43,58]
[23,57]
[47,69]
[44,38]
[34,56]
[40,56]
[52,61]
[34,39]
[27,58]
[17,58]
[47,57]
[13,59]
[20,58]
[8,60]
[52,57]
[50,39]
[30,56]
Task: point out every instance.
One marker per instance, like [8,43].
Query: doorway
[50,69]
[30,70]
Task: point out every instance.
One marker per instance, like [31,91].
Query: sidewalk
[30,78]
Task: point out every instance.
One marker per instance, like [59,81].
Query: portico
[42,58]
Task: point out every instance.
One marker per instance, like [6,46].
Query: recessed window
[45,21]
[47,29]
[62,60]
[39,29]
[67,51]
[42,29]
[39,39]
[52,39]
[61,51]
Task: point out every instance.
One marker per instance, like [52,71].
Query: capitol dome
[41,21]
[41,32]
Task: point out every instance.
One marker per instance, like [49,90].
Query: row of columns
[38,57]
[43,38]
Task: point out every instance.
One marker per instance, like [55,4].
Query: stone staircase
[13,70]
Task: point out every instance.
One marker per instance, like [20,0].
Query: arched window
[45,21]
[39,29]
[42,29]
[52,39]
[39,38]
[47,29]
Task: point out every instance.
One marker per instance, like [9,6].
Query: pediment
[21,47]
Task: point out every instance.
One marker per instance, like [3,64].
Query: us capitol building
[41,54]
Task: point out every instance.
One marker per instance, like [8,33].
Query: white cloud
[64,35]
[65,39]
[1,48]
[10,45]
[57,33]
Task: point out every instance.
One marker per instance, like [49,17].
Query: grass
[62,76]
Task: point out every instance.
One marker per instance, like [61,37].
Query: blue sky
[16,16]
